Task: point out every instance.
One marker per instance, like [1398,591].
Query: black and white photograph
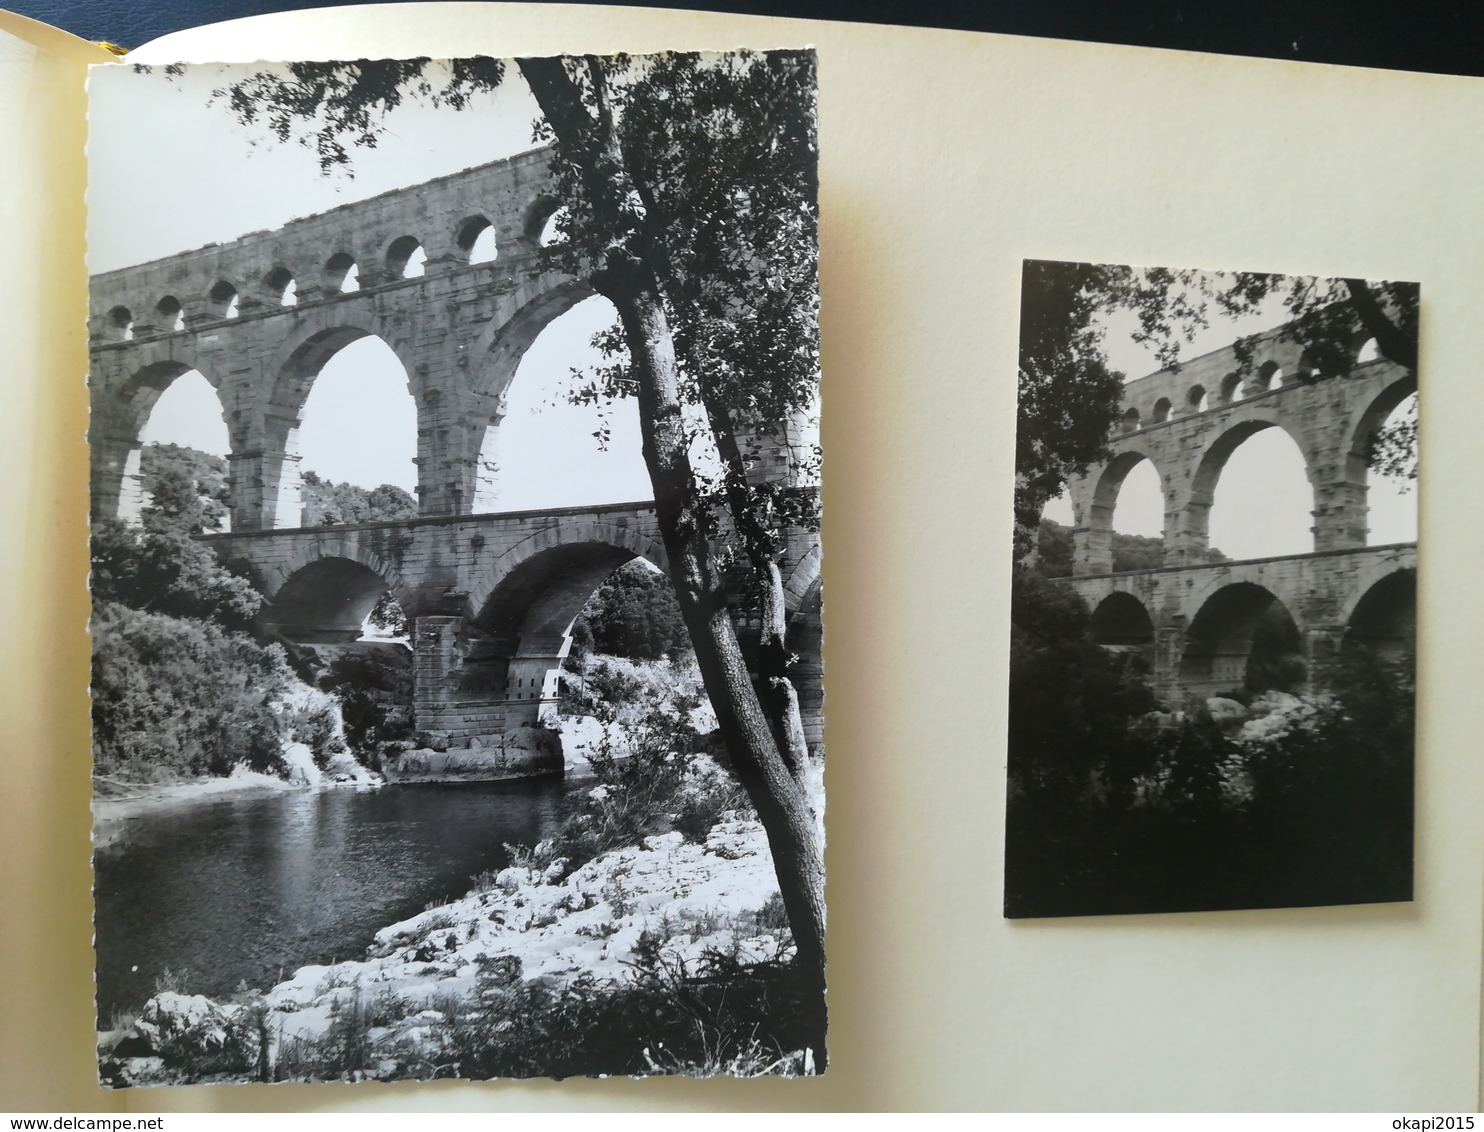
[456,600]
[1213,612]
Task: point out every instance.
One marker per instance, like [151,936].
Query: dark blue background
[1439,37]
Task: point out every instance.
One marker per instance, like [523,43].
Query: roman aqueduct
[1196,619]
[490,596]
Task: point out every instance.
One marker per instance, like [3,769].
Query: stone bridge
[490,596]
[1200,622]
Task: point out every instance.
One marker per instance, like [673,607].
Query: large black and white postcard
[456,594]
[1213,613]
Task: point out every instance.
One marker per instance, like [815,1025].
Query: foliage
[649,780]
[1130,552]
[373,689]
[179,688]
[1393,449]
[1071,702]
[614,688]
[347,101]
[329,504]
[717,1016]
[159,569]
[1118,808]
[387,618]
[181,697]
[187,482]
[634,614]
[651,776]
[1275,661]
[732,238]
[1068,398]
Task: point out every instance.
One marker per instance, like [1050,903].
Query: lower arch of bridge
[115,436]
[1383,620]
[325,601]
[1242,638]
[1120,621]
[499,667]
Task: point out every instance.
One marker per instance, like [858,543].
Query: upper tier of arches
[1331,422]
[482,215]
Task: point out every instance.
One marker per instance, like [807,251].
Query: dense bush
[186,481]
[179,687]
[158,569]
[1130,552]
[374,689]
[331,504]
[178,697]
[633,614]
[1116,808]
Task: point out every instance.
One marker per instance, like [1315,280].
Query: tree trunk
[628,280]
[1390,340]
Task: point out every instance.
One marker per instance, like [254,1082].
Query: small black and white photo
[456,598]
[1213,615]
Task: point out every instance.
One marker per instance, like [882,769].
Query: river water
[253,886]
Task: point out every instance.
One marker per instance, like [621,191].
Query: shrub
[718,1015]
[634,614]
[186,697]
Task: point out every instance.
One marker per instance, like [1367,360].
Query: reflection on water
[249,888]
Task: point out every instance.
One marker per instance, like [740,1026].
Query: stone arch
[806,668]
[1196,515]
[1093,535]
[221,300]
[324,593]
[399,255]
[120,324]
[282,287]
[1122,621]
[337,273]
[119,413]
[495,357]
[469,231]
[589,533]
[171,314]
[347,547]
[1193,600]
[537,213]
[1388,388]
[521,613]
[321,333]
[1231,389]
[1195,399]
[1368,418]
[1382,615]
[535,304]
[1130,419]
[803,580]
[1269,376]
[1241,624]
[1161,411]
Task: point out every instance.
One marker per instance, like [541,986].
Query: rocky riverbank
[671,900]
